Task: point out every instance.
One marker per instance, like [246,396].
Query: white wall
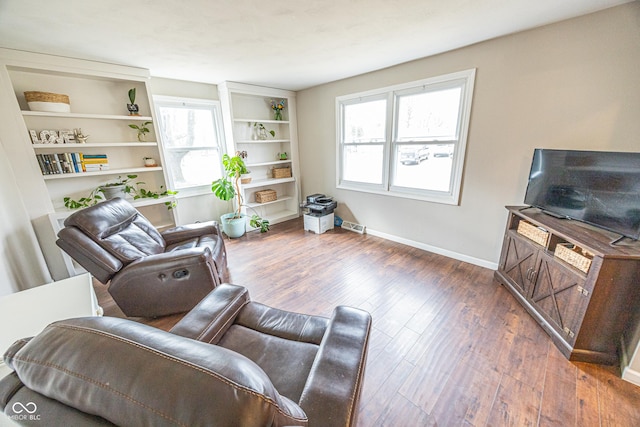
[570,85]
[21,262]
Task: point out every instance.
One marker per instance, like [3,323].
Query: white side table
[27,313]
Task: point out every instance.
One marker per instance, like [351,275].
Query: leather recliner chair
[228,362]
[149,273]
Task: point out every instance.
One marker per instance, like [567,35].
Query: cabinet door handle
[534,273]
[529,273]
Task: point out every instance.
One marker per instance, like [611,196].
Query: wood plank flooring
[449,345]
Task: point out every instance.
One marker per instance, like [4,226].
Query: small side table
[27,313]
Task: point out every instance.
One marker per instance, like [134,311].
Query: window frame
[465,80]
[215,107]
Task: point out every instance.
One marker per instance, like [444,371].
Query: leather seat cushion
[292,338]
[287,363]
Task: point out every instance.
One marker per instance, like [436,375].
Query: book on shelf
[96,167]
[64,163]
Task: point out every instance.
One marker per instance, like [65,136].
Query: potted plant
[142,129]
[121,187]
[261,131]
[132,107]
[245,176]
[226,188]
[118,188]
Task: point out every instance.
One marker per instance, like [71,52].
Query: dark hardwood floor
[449,345]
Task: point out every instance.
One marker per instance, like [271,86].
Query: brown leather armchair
[149,273]
[228,362]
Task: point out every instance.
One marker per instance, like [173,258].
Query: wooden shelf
[279,200]
[86,116]
[76,146]
[262,141]
[107,172]
[244,106]
[265,182]
[284,122]
[62,213]
[274,163]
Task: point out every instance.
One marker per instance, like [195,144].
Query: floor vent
[352,226]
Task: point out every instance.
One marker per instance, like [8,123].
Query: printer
[319,217]
[319,205]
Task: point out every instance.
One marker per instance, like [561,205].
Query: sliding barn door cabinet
[580,285]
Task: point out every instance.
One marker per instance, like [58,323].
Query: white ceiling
[280,43]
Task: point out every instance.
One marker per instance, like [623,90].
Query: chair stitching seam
[165,356]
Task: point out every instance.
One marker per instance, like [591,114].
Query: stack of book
[95,162]
[58,163]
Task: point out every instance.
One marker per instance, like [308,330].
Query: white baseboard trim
[455,255]
[631,375]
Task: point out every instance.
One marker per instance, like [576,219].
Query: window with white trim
[407,140]
[192,140]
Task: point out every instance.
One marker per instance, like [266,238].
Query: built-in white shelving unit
[243,106]
[98,95]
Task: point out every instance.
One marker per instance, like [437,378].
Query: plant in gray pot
[118,188]
[226,188]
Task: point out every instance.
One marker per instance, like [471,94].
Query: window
[192,141]
[407,140]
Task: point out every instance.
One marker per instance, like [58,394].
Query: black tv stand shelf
[585,310]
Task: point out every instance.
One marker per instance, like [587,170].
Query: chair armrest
[190,231]
[166,260]
[333,387]
[210,319]
[165,283]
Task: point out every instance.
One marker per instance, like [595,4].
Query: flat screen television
[597,187]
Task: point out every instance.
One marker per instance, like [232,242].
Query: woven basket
[534,233]
[264,196]
[573,255]
[281,173]
[33,96]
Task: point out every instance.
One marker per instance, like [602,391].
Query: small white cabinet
[245,108]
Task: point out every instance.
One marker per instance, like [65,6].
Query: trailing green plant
[131,188]
[228,187]
[257,221]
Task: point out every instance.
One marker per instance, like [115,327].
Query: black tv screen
[597,187]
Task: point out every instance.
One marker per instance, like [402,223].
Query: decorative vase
[262,133]
[142,137]
[233,227]
[133,109]
[113,191]
[278,114]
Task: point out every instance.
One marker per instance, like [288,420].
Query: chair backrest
[209,385]
[119,228]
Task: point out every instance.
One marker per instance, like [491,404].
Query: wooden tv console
[585,309]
